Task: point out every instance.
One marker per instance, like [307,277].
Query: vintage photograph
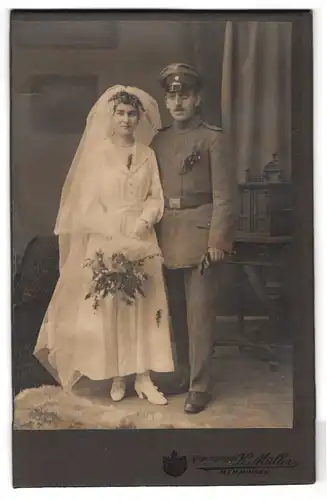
[152,222]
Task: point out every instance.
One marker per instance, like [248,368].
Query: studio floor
[247,394]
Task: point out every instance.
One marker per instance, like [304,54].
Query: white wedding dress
[117,339]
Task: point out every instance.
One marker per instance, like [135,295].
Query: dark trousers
[192,304]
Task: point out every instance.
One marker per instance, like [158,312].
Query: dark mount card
[228,344]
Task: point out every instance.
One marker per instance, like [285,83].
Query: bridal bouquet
[122,277]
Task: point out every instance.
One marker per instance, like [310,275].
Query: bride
[111,199]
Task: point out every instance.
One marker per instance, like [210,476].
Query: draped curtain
[256,95]
[204,47]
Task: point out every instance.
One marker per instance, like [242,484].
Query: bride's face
[125,119]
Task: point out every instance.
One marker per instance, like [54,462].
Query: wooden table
[259,258]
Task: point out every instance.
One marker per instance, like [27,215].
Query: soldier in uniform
[198,221]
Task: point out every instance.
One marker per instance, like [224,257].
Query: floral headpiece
[123,97]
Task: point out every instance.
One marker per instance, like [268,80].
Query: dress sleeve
[154,204]
[93,217]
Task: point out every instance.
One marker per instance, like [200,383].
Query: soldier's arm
[222,228]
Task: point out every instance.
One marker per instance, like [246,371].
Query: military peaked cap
[176,77]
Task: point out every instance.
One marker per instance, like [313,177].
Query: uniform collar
[191,125]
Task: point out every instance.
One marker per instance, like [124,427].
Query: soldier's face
[125,119]
[182,105]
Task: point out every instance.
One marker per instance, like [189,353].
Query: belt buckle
[174,203]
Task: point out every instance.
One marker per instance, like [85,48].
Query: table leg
[240,308]
[257,282]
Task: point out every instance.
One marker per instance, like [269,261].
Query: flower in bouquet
[117,276]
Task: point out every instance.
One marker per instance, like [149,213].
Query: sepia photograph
[154,223]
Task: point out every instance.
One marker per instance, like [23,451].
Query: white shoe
[145,388]
[118,389]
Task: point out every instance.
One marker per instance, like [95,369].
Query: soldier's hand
[216,255]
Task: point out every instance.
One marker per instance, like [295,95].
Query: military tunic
[199,213]
[186,233]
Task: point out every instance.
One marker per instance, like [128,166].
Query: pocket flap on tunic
[203,216]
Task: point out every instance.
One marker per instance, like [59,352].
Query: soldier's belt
[189,201]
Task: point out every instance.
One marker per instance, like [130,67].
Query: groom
[198,221]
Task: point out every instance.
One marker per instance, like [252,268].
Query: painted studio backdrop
[60,68]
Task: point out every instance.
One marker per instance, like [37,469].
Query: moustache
[178,109]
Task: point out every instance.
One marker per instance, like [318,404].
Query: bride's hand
[141,228]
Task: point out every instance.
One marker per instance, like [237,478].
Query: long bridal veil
[98,128]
